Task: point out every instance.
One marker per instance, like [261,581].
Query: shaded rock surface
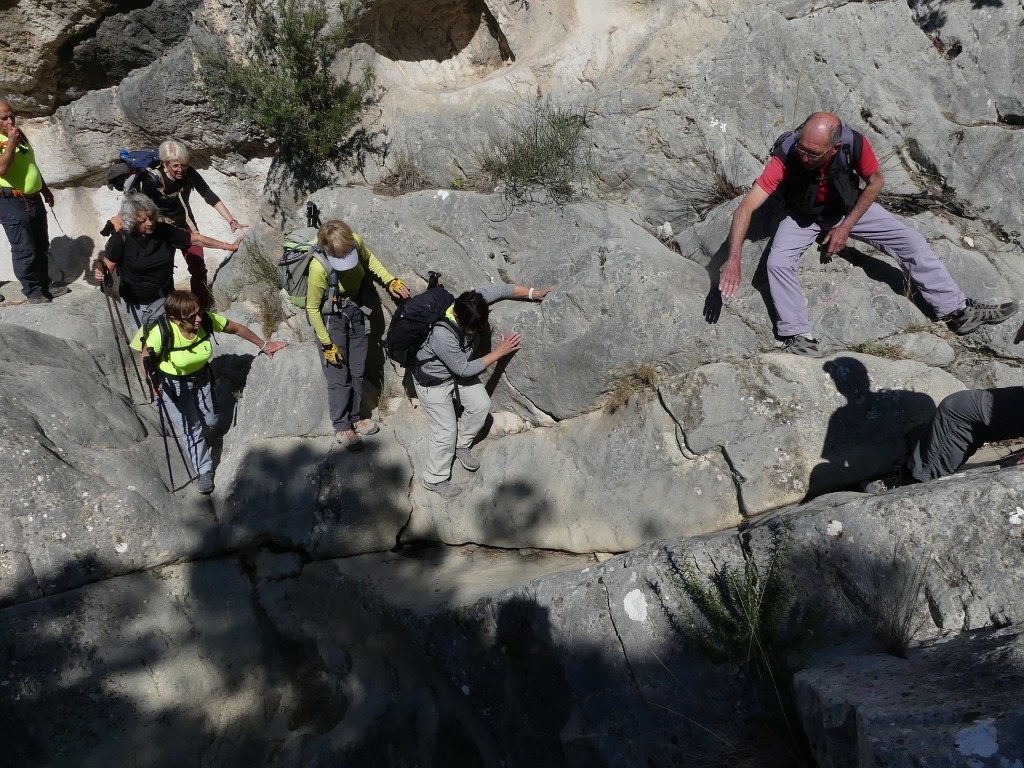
[315,611]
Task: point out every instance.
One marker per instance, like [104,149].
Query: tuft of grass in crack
[540,147]
[642,382]
[390,389]
[889,598]
[404,175]
[705,184]
[879,349]
[260,272]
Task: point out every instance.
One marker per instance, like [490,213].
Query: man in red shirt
[818,178]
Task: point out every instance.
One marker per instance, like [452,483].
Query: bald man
[22,194]
[828,177]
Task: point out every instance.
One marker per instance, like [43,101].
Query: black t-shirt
[172,197]
[146,264]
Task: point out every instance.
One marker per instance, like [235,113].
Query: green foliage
[258,268]
[540,147]
[879,349]
[260,272]
[738,614]
[737,617]
[283,84]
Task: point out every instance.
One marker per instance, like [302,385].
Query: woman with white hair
[170,186]
[142,252]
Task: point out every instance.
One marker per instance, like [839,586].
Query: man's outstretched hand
[729,278]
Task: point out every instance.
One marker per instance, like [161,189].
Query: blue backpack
[123,173]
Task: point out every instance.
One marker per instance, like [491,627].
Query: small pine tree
[283,84]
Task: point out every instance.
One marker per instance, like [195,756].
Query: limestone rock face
[767,418]
[323,608]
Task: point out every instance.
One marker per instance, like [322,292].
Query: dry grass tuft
[642,382]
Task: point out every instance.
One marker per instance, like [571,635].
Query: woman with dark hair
[143,253]
[170,186]
[183,372]
[446,370]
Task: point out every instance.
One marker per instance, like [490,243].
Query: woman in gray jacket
[446,370]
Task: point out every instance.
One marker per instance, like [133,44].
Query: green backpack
[300,248]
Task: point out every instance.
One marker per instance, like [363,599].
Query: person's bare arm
[209,242]
[7,157]
[729,278]
[836,238]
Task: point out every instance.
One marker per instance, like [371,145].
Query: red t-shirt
[774,172]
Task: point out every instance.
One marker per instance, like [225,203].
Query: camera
[433,278]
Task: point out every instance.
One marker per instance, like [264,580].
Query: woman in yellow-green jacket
[341,327]
[182,371]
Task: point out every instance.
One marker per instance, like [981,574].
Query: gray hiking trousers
[964,422]
[345,382]
[879,229]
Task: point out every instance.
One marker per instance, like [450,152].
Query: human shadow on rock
[869,433]
[762,225]
[70,257]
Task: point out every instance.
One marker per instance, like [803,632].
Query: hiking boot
[805,346]
[57,290]
[38,298]
[205,483]
[467,459]
[366,427]
[897,477]
[350,439]
[974,315]
[446,488]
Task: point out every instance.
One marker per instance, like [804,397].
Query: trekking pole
[177,442]
[55,221]
[160,407]
[117,340]
[146,390]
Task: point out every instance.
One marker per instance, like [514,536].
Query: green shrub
[540,147]
[283,85]
[737,614]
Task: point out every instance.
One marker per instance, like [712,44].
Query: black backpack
[161,322]
[412,323]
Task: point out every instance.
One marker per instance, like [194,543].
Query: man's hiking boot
[366,427]
[467,459]
[350,439]
[896,477]
[205,483]
[38,298]
[446,488]
[975,314]
[805,346]
[57,290]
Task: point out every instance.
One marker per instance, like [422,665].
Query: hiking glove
[332,354]
[396,287]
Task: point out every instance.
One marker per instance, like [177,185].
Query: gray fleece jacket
[448,352]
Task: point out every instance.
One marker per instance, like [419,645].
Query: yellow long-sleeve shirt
[349,281]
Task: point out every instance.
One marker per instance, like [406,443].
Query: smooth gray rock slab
[167,667]
[795,426]
[952,703]
[594,483]
[313,495]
